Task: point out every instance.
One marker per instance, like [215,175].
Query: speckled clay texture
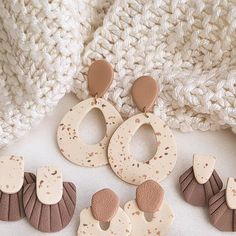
[72,147]
[133,171]
[49,185]
[11,174]
[203,167]
[231,193]
[119,225]
[159,225]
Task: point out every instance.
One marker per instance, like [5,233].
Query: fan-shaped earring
[200,182]
[222,208]
[12,181]
[100,76]
[49,203]
[144,93]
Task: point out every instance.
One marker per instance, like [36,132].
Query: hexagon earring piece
[149,201]
[104,209]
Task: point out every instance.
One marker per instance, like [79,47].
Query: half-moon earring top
[144,93]
[100,76]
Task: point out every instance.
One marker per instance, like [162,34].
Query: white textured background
[39,148]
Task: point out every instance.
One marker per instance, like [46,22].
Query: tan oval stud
[144,93]
[149,196]
[100,76]
[105,204]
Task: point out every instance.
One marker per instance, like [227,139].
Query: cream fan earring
[100,76]
[144,93]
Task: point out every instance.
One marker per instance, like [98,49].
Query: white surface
[39,148]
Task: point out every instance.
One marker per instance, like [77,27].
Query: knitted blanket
[188,46]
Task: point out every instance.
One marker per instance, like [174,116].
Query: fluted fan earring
[144,93]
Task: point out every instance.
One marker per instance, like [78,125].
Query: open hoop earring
[100,76]
[144,93]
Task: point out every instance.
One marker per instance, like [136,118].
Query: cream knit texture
[40,46]
[188,46]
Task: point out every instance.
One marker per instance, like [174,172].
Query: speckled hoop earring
[144,93]
[100,76]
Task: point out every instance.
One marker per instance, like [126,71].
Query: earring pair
[45,200]
[113,149]
[201,186]
[132,221]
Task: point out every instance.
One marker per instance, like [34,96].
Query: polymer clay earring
[104,209]
[49,203]
[222,208]
[100,76]
[12,181]
[149,201]
[200,182]
[144,93]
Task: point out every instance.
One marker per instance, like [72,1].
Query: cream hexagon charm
[135,172]
[105,208]
[159,225]
[149,200]
[68,138]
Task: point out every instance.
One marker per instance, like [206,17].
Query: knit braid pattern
[188,46]
[39,47]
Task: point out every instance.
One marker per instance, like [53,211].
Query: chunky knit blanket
[188,46]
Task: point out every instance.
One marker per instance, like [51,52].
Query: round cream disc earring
[100,76]
[144,93]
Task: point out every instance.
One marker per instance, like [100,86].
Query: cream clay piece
[100,76]
[12,181]
[50,203]
[104,210]
[149,201]
[144,93]
[200,182]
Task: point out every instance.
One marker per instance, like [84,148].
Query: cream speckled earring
[100,76]
[149,212]
[144,93]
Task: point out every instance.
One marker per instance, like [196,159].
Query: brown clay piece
[49,218]
[221,216]
[199,194]
[100,76]
[149,196]
[144,93]
[105,204]
[11,205]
